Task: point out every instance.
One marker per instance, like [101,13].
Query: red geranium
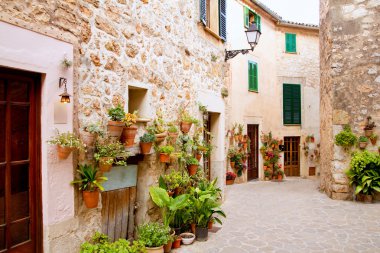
[230,175]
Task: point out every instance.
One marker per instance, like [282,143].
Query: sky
[302,11]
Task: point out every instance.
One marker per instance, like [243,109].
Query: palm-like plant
[89,180]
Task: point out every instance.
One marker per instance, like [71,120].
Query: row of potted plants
[270,150]
[347,139]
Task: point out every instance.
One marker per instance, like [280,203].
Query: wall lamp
[253,36]
[65,97]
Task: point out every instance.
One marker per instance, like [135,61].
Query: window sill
[207,29]
[292,124]
[254,91]
[291,52]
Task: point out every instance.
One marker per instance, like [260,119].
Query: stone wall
[154,45]
[350,81]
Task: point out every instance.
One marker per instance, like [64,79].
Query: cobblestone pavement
[292,216]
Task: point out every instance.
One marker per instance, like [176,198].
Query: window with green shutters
[250,15]
[292,104]
[290,42]
[253,83]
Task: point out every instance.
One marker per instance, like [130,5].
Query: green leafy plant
[158,125]
[166,149]
[68,140]
[364,172]
[94,128]
[186,117]
[89,179]
[267,173]
[153,234]
[117,113]
[100,243]
[147,138]
[172,129]
[224,92]
[192,161]
[130,118]
[114,150]
[346,138]
[373,136]
[173,180]
[363,139]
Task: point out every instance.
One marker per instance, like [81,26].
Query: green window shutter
[258,21]
[246,17]
[222,20]
[255,78]
[290,43]
[292,104]
[252,76]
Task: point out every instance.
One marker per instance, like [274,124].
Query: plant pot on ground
[66,143]
[165,152]
[364,198]
[115,125]
[187,238]
[230,177]
[89,182]
[201,233]
[177,242]
[192,165]
[210,224]
[154,236]
[363,142]
[146,142]
[168,246]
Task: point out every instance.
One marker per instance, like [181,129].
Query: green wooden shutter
[222,20]
[292,104]
[246,17]
[255,78]
[290,42]
[258,21]
[252,76]
[203,9]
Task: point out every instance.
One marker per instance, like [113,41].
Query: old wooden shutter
[222,20]
[255,78]
[290,41]
[292,103]
[246,17]
[252,76]
[203,15]
[258,21]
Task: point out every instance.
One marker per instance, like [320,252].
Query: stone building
[143,55]
[286,57]
[350,82]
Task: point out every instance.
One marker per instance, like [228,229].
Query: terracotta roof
[281,21]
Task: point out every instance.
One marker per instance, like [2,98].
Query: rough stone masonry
[350,82]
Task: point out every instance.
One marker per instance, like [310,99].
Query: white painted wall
[26,50]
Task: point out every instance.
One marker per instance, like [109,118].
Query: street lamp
[253,35]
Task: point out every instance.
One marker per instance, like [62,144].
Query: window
[253,83]
[250,17]
[290,43]
[213,15]
[292,104]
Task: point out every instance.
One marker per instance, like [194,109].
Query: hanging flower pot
[368,132]
[146,147]
[232,164]
[63,152]
[88,138]
[129,134]
[105,164]
[198,156]
[173,136]
[161,137]
[164,158]
[230,181]
[363,145]
[90,198]
[373,139]
[115,128]
[192,169]
[186,126]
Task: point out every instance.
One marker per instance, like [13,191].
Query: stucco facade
[116,47]
[350,81]
[275,67]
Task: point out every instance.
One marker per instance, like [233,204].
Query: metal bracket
[232,53]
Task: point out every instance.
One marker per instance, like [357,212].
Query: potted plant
[101,243]
[240,132]
[158,127]
[173,132]
[280,175]
[66,143]
[154,236]
[130,129]
[267,175]
[368,129]
[174,182]
[363,141]
[373,138]
[187,238]
[364,175]
[90,182]
[187,121]
[115,124]
[177,242]
[231,155]
[108,153]
[346,138]
[146,142]
[192,165]
[90,133]
[165,152]
[230,178]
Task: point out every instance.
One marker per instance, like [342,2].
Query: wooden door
[292,156]
[253,159]
[20,198]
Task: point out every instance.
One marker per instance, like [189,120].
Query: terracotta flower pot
[170,193]
[155,249]
[230,181]
[186,126]
[192,227]
[173,137]
[129,134]
[168,247]
[368,133]
[115,128]
[373,141]
[192,169]
[145,147]
[279,177]
[198,156]
[161,137]
[363,145]
[232,164]
[63,152]
[90,199]
[210,224]
[245,146]
[164,158]
[177,191]
[364,198]
[105,164]
[177,243]
[88,138]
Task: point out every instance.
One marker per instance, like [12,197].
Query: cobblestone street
[292,216]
